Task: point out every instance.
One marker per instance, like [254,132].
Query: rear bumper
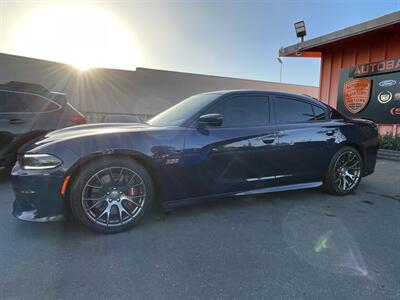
[369,170]
[37,195]
[370,156]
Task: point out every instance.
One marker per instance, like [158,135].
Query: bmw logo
[386,83]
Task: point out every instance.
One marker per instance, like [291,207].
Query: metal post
[280,72]
[78,87]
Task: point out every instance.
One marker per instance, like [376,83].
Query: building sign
[356,94]
[386,66]
[375,95]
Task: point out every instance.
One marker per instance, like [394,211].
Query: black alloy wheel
[111,195]
[345,171]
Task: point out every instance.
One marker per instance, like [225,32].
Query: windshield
[179,113]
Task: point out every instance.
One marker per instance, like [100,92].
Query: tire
[344,173]
[5,171]
[111,194]
[8,166]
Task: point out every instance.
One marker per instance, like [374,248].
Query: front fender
[155,149]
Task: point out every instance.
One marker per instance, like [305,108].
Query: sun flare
[83,36]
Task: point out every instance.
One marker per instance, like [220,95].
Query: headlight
[36,161]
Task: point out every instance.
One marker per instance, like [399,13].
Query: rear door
[237,156]
[306,139]
[15,120]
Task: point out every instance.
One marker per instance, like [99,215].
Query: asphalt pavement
[301,244]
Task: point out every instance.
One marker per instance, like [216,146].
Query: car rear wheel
[344,173]
[111,194]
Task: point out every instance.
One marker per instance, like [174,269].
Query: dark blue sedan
[212,145]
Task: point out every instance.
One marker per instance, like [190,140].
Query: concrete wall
[144,91]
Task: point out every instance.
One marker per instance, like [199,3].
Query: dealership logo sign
[356,94]
[385,66]
[384,97]
[395,111]
[387,83]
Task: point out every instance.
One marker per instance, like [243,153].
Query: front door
[237,156]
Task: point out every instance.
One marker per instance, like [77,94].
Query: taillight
[78,119]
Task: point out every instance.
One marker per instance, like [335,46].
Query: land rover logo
[395,111]
[384,97]
[386,83]
[356,94]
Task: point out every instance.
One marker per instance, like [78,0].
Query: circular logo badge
[384,97]
[395,111]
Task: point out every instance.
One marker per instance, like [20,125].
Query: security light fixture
[300,28]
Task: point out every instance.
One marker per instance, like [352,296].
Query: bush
[389,142]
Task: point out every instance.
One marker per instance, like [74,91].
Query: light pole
[280,73]
[78,87]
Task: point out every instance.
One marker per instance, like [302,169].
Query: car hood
[92,129]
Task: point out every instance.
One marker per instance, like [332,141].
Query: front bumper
[37,194]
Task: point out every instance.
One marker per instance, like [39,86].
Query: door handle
[330,132]
[269,139]
[16,121]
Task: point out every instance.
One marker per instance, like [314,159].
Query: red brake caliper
[132,192]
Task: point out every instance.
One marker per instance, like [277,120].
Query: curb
[389,154]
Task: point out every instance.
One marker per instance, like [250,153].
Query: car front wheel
[344,173]
[111,194]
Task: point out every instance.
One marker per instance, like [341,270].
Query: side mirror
[211,120]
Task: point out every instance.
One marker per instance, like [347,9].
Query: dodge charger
[209,146]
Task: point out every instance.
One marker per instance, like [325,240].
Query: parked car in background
[28,111]
[122,119]
[229,143]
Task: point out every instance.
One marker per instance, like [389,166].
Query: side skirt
[281,188]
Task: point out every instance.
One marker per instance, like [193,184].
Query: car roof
[268,92]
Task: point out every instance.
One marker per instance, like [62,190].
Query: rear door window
[289,110]
[15,102]
[319,113]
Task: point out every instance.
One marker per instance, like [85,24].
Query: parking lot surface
[301,244]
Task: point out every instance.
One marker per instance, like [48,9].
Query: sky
[225,38]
